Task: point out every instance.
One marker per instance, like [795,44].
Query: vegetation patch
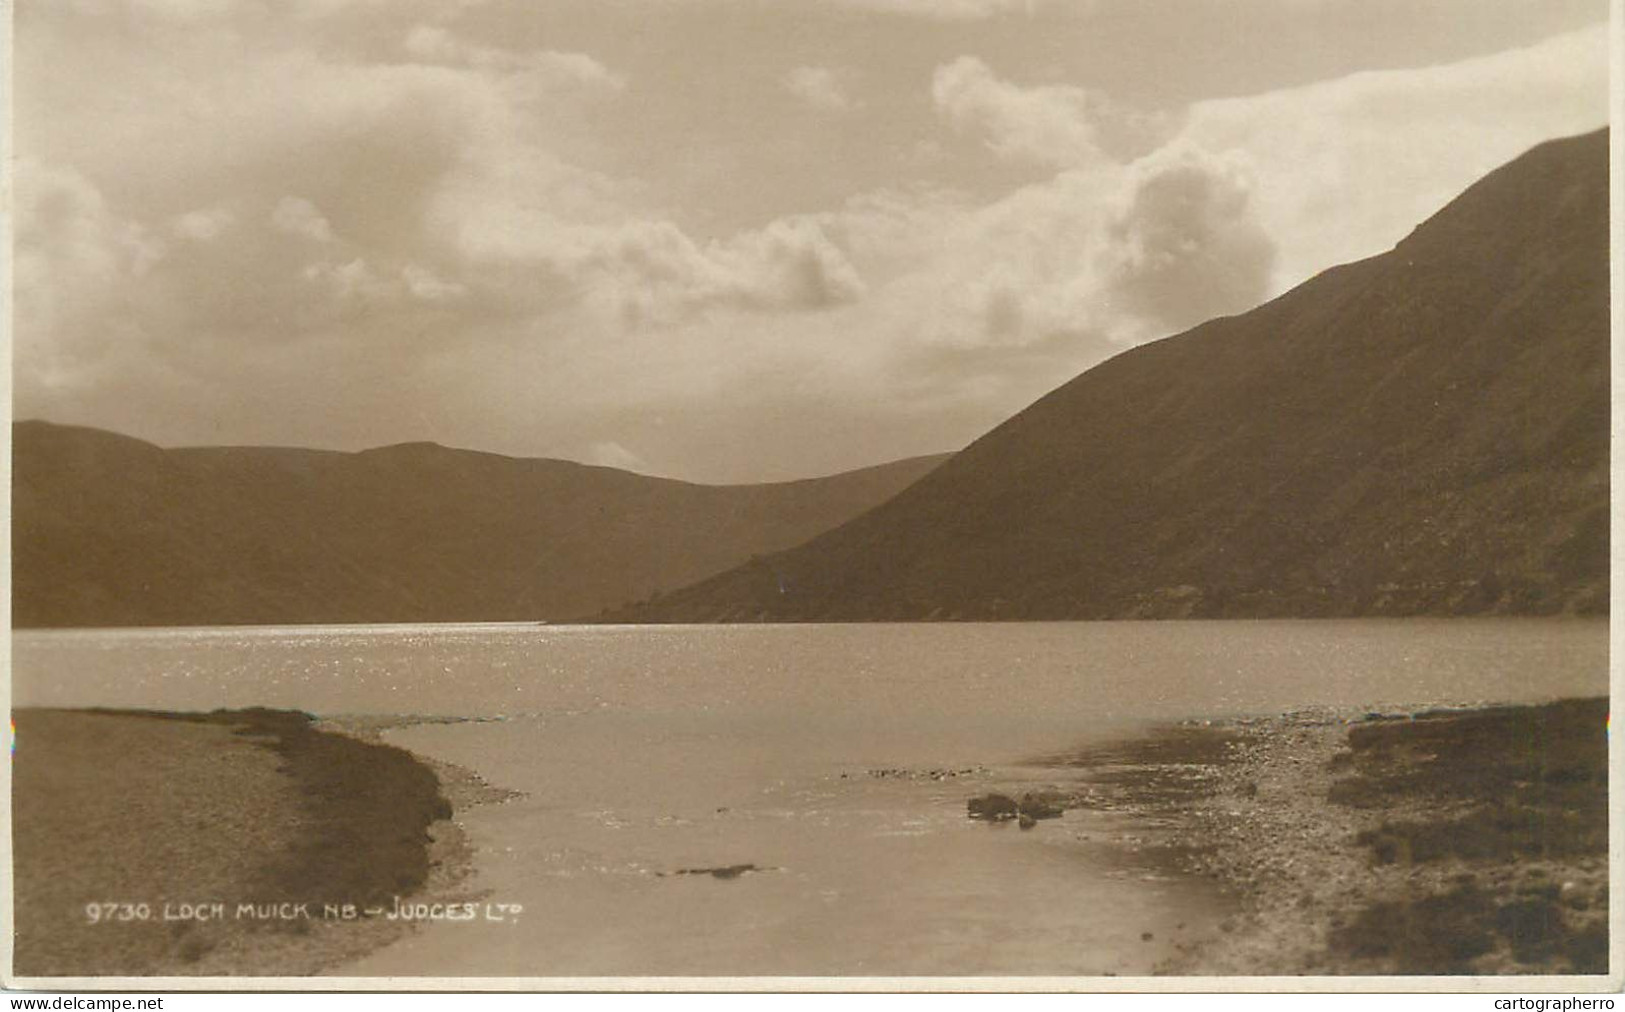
[1511,803]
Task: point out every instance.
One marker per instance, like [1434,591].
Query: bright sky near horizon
[724,240]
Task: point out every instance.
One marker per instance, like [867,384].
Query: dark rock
[1041,806]
[730,871]
[992,808]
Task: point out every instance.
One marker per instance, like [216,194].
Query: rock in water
[992,808]
[725,872]
[1040,806]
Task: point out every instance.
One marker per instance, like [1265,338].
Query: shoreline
[1421,841]
[230,843]
[1461,841]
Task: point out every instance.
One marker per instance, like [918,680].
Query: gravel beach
[167,844]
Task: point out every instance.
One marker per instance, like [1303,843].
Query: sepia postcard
[784,495]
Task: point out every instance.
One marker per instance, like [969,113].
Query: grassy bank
[1466,841]
[129,828]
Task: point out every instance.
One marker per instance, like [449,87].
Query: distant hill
[1421,433]
[109,530]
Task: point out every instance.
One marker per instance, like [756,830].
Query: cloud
[645,273]
[1086,261]
[298,216]
[1189,246]
[543,70]
[321,175]
[1112,249]
[280,199]
[76,263]
[204,224]
[423,284]
[1346,168]
[1237,199]
[819,87]
[355,281]
[1051,124]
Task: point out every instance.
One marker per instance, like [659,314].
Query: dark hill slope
[1421,433]
[109,530]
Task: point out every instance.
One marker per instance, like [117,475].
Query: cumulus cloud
[1189,246]
[1051,123]
[819,87]
[1109,250]
[77,263]
[1094,259]
[320,175]
[1240,199]
[393,206]
[646,273]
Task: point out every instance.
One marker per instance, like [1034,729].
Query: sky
[718,240]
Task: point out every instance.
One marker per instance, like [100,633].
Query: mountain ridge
[112,530]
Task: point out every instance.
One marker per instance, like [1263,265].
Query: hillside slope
[1421,433]
[112,531]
